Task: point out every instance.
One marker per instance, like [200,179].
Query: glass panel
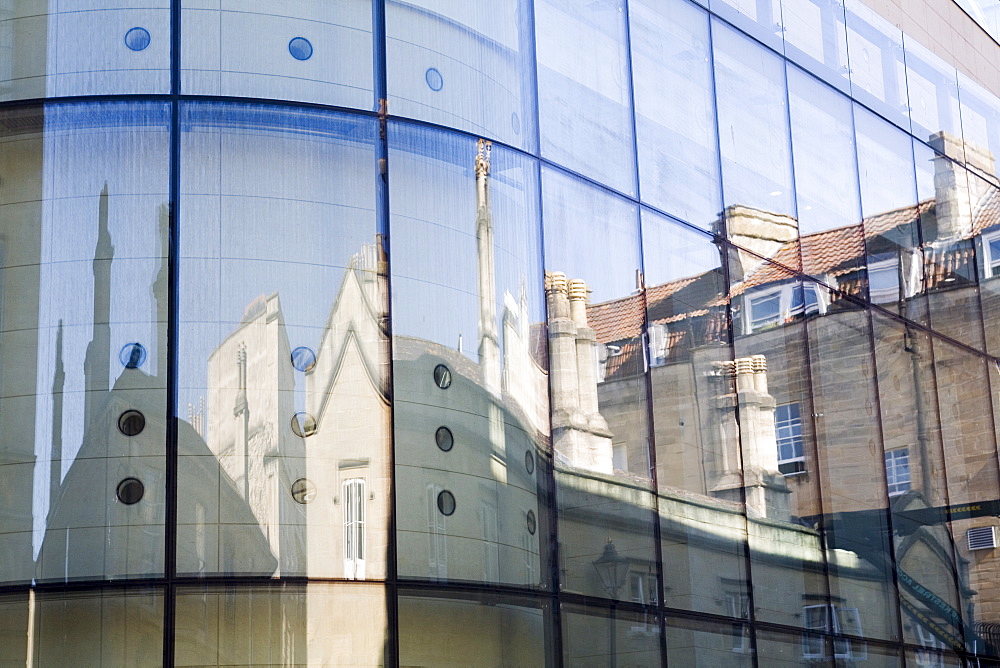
[282,367]
[105,628]
[875,50]
[892,218]
[851,465]
[705,643]
[759,18]
[84,205]
[928,568]
[777,424]
[594,637]
[584,106]
[675,109]
[465,65]
[314,625]
[822,649]
[987,244]
[468,355]
[496,631]
[306,50]
[980,124]
[702,489]
[88,47]
[885,166]
[932,87]
[826,178]
[970,471]
[598,387]
[753,125]
[816,38]
[931,655]
[958,206]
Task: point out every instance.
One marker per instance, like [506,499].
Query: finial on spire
[483,157]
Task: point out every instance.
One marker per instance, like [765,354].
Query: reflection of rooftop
[691,308]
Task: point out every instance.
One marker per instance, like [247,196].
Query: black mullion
[173,261]
[380,89]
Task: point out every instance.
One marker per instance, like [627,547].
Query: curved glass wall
[537,333]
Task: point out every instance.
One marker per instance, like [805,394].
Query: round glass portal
[444,438]
[132,355]
[446,503]
[300,48]
[303,424]
[529,462]
[130,491]
[137,39]
[131,422]
[434,79]
[303,491]
[442,376]
[532,522]
[303,359]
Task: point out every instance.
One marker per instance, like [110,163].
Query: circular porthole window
[442,376]
[303,424]
[131,422]
[529,462]
[532,522]
[130,491]
[444,438]
[300,48]
[515,123]
[132,355]
[137,39]
[303,491]
[303,359]
[446,503]
[434,79]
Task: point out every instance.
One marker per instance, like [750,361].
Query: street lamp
[612,569]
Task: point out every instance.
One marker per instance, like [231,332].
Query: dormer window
[883,281]
[991,254]
[772,306]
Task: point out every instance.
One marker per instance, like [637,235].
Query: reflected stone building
[532,332]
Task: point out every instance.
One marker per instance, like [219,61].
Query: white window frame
[991,265]
[437,527]
[815,618]
[786,306]
[354,498]
[795,439]
[738,606]
[895,482]
[491,541]
[768,321]
[659,343]
[884,295]
[642,590]
[930,654]
[836,620]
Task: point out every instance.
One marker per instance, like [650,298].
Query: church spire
[58,386]
[97,366]
[489,339]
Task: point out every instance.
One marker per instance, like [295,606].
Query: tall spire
[97,366]
[489,338]
[241,411]
[160,288]
[58,386]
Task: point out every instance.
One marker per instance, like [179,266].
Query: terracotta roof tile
[691,307]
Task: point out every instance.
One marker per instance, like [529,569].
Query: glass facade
[530,332]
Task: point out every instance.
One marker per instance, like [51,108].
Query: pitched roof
[693,307]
